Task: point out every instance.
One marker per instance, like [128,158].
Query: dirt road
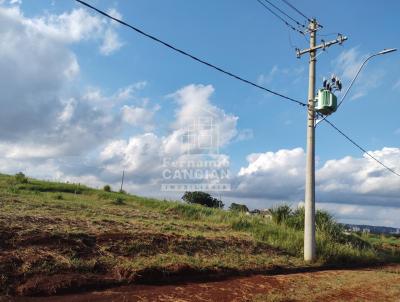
[377,284]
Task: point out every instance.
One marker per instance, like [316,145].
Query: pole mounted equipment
[382,52]
[324,45]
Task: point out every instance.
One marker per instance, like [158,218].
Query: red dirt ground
[378,284]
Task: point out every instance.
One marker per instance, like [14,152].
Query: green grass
[57,228]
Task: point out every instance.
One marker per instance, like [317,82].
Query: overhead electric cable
[282,12]
[361,148]
[279,17]
[298,11]
[236,77]
[190,55]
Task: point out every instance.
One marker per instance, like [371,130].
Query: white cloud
[111,42]
[280,175]
[42,113]
[354,189]
[114,13]
[142,155]
[272,175]
[244,135]
[96,97]
[71,27]
[139,116]
[37,71]
[15,2]
[361,180]
[194,106]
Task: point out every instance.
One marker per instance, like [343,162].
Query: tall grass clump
[285,231]
[46,186]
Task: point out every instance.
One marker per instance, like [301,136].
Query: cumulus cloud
[75,26]
[142,155]
[139,116]
[96,96]
[272,175]
[361,180]
[36,69]
[15,2]
[42,114]
[111,41]
[198,117]
[280,176]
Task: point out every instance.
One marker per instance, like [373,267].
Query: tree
[203,199]
[21,178]
[107,188]
[238,207]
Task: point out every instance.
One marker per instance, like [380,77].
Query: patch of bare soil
[328,285]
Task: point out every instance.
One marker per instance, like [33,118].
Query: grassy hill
[58,238]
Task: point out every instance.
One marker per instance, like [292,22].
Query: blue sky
[240,36]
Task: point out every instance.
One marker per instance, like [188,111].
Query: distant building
[366,230]
[265,213]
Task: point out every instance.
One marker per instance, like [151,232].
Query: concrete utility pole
[122,180]
[309,207]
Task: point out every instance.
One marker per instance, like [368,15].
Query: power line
[361,148]
[189,55]
[234,76]
[298,11]
[279,17]
[282,12]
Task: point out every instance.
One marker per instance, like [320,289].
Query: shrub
[203,199]
[59,197]
[238,207]
[21,178]
[107,188]
[119,201]
[281,214]
[122,191]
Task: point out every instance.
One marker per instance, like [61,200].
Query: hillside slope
[59,238]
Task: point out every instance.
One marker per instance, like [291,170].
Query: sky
[84,98]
